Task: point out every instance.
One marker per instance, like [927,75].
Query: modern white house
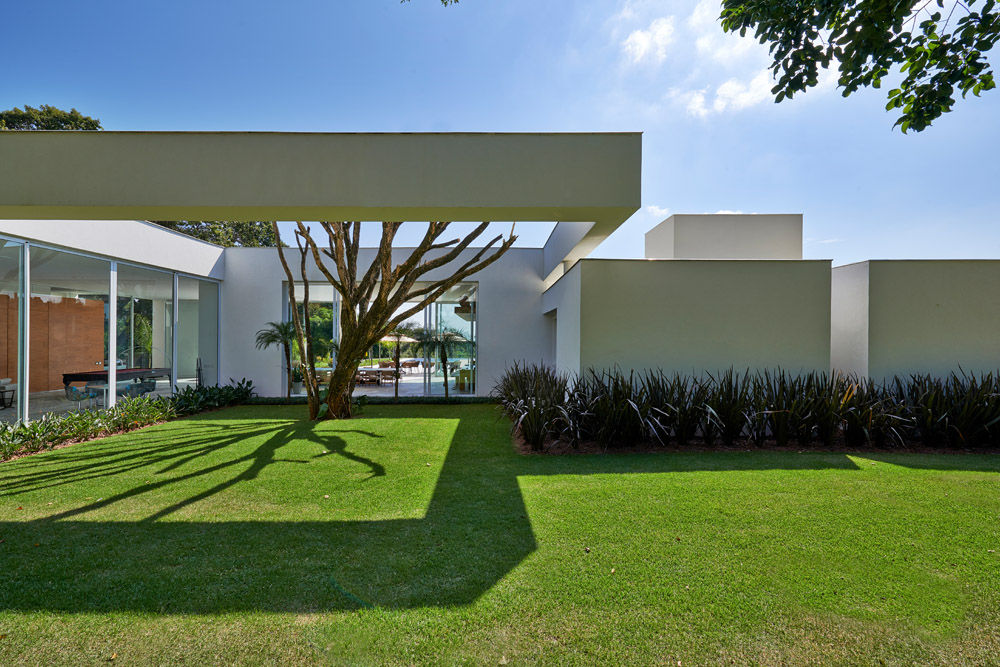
[96,303]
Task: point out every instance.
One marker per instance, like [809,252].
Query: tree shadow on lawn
[476,528]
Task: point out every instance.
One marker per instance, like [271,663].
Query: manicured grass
[210,539]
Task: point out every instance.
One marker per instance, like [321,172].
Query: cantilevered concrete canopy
[588,177]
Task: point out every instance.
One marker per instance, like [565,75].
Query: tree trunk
[338,400]
[288,371]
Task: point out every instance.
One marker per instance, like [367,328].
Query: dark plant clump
[619,410]
[128,414]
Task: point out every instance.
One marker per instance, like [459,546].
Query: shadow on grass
[475,530]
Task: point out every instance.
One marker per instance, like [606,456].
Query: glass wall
[451,356]
[11,302]
[145,322]
[197,332]
[62,333]
[68,332]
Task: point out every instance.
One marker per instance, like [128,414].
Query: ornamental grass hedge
[617,409]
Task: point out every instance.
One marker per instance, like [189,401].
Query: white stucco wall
[933,316]
[129,240]
[563,301]
[849,319]
[726,236]
[697,316]
[511,324]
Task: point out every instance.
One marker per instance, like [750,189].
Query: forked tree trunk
[377,299]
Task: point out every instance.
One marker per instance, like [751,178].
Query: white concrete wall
[849,319]
[933,316]
[129,240]
[726,236]
[511,324]
[563,299]
[697,316]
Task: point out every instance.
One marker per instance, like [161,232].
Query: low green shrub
[127,414]
[191,399]
[616,409]
[55,429]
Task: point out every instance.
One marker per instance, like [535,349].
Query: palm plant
[440,344]
[279,334]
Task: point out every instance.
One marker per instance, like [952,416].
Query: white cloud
[726,211]
[735,94]
[650,44]
[658,212]
[713,43]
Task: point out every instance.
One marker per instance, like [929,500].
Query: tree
[441,344]
[279,334]
[46,117]
[243,234]
[376,299]
[938,49]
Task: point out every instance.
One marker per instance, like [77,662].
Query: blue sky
[712,141]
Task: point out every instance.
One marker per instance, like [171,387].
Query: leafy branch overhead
[938,49]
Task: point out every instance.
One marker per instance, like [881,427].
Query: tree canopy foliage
[46,117]
[225,233]
[936,48]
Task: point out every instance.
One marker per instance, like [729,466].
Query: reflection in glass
[452,319]
[11,299]
[197,332]
[145,327]
[68,332]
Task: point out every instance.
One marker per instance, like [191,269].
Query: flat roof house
[96,304]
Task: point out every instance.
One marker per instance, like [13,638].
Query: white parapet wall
[695,316]
[896,317]
[726,236]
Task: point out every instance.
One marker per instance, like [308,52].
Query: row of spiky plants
[616,409]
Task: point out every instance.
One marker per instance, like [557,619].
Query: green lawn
[212,539]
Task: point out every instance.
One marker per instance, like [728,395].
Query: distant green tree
[938,47]
[46,117]
[225,233]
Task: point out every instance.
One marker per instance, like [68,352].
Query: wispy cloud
[658,212]
[650,44]
[703,70]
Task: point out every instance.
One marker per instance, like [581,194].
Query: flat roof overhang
[589,178]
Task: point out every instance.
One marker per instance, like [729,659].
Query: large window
[145,338]
[68,332]
[452,355]
[197,332]
[11,304]
[79,332]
